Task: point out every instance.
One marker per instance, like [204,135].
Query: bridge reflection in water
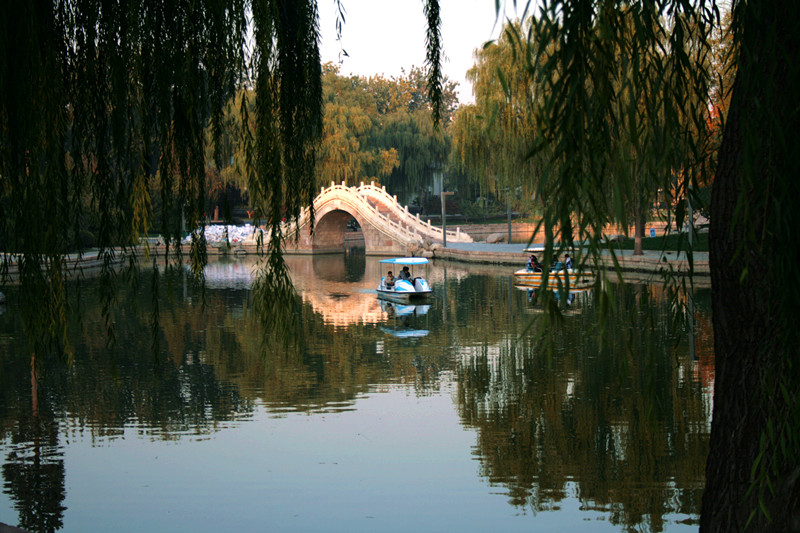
[340,287]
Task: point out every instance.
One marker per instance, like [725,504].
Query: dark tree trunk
[34,387]
[639,221]
[751,323]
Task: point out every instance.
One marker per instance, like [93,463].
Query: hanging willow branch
[433,44]
[105,112]
[623,109]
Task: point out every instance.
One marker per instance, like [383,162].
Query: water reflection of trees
[33,468]
[619,418]
[623,421]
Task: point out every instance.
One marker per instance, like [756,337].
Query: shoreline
[651,262]
[652,267]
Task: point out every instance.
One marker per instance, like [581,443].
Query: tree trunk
[34,387]
[751,324]
[639,221]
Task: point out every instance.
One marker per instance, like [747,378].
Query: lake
[464,414]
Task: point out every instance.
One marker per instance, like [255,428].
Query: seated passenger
[567,262]
[389,279]
[404,274]
[533,264]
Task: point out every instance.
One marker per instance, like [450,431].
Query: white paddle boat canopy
[404,289]
[406,261]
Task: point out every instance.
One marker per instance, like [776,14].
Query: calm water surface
[452,416]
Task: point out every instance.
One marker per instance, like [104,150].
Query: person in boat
[389,282]
[404,274]
[533,264]
[567,262]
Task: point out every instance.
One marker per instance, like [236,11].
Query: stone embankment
[90,262]
[515,255]
[499,252]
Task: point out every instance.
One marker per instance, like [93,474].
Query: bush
[671,242]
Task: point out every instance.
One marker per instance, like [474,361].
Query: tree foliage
[621,92]
[103,105]
[351,114]
[626,91]
[752,469]
[492,137]
[103,112]
[226,159]
[382,129]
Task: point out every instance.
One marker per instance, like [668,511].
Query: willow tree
[492,137]
[382,129]
[226,158]
[751,476]
[407,126]
[103,108]
[422,150]
[103,105]
[641,157]
[351,116]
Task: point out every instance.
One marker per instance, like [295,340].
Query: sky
[383,37]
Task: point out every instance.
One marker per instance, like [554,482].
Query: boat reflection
[572,297]
[397,309]
[401,319]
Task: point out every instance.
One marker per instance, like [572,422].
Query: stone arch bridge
[388,228]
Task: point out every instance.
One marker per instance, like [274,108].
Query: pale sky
[385,36]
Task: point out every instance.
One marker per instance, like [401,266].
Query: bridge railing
[402,213]
[380,219]
[409,228]
[408,222]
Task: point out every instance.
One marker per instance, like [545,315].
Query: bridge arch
[387,226]
[331,229]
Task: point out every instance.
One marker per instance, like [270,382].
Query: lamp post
[444,219]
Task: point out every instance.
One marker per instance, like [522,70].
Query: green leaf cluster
[381,129]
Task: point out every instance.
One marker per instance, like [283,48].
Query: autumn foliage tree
[380,129]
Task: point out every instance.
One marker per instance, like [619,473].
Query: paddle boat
[399,289]
[533,273]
